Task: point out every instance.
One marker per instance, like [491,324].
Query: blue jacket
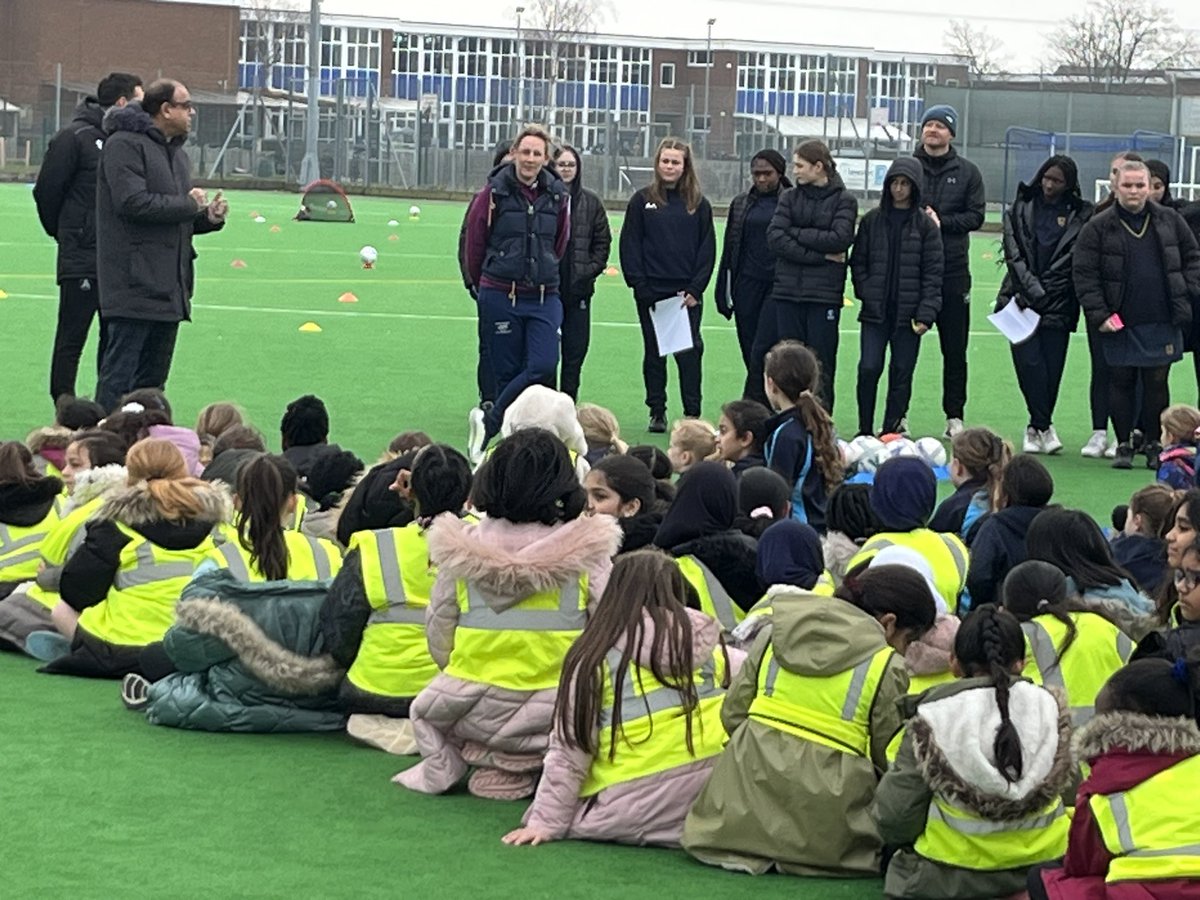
[788,450]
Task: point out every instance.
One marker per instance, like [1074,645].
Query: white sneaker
[476,429]
[1050,441]
[387,734]
[954,428]
[1111,452]
[1033,441]
[1094,448]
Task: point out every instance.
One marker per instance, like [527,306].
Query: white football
[331,204]
[874,459]
[368,254]
[860,448]
[414,211]
[932,451]
[899,447]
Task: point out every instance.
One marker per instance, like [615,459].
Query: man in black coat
[65,195]
[146,214]
[954,198]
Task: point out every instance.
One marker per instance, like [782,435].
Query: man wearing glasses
[146,214]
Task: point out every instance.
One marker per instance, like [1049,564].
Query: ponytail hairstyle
[440,481]
[813,152]
[600,427]
[1154,503]
[1180,422]
[133,424]
[151,399]
[658,463]
[1036,588]
[697,437]
[215,419]
[797,374]
[990,643]
[160,466]
[984,455]
[899,590]
[644,584]
[688,184]
[530,478]
[265,484]
[16,464]
[1154,686]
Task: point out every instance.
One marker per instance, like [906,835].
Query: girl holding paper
[1040,229]
[668,250]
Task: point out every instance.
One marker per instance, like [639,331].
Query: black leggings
[1123,398]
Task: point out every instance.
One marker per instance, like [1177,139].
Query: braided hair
[990,643]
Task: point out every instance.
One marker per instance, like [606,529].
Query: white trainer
[1094,448]
[476,429]
[1111,451]
[1050,441]
[388,734]
[1032,442]
[954,428]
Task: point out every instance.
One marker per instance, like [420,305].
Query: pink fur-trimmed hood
[511,561]
[931,654]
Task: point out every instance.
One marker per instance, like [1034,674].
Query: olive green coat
[778,800]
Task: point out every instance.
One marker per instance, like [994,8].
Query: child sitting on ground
[1176,462]
[213,421]
[30,506]
[637,723]
[692,441]
[622,487]
[601,431]
[976,466]
[850,522]
[740,434]
[764,498]
[1140,548]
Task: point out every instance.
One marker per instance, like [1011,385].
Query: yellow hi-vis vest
[831,710]
[946,553]
[140,605]
[1099,649]
[20,545]
[63,540]
[393,659]
[298,514]
[521,648]
[1152,829]
[919,684]
[959,838]
[308,558]
[653,735]
[714,599]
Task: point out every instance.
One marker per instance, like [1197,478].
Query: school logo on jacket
[953,179]
[650,204]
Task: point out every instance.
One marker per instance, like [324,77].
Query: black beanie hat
[944,113]
[776,161]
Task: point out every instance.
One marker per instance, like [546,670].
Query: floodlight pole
[707,76]
[520,72]
[310,167]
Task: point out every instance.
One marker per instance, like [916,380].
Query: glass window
[666,75]
[699,58]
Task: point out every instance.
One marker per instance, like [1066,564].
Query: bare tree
[1120,40]
[983,50]
[266,27]
[557,42]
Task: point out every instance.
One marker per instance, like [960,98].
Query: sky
[900,25]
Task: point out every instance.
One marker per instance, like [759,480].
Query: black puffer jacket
[145,221]
[728,270]
[1099,264]
[954,188]
[65,192]
[919,282]
[591,240]
[810,223]
[731,556]
[1052,294]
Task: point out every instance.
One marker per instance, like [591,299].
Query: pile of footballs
[865,453]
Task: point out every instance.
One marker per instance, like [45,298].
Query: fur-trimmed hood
[98,482]
[1136,733]
[131,117]
[953,732]
[135,505]
[511,561]
[278,667]
[931,654]
[51,437]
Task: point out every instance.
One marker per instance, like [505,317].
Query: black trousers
[138,354]
[1123,382]
[813,324]
[78,304]
[953,328]
[749,300]
[654,367]
[1098,381]
[1039,363]
[576,335]
[874,341]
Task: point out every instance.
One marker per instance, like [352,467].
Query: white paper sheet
[1015,323]
[672,328]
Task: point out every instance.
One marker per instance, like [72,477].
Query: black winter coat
[65,191]
[731,556]
[999,545]
[1099,264]
[955,191]
[919,292]
[731,249]
[1052,294]
[591,240]
[145,221]
[810,223]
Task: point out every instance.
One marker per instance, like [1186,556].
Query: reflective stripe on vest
[1151,829]
[308,559]
[521,648]
[298,513]
[1099,649]
[958,838]
[946,554]
[653,733]
[833,710]
[393,657]
[714,599]
[60,544]
[20,545]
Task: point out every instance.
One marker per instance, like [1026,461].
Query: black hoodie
[65,191]
[591,240]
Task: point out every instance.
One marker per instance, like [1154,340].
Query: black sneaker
[1153,450]
[1137,440]
[658,424]
[1124,457]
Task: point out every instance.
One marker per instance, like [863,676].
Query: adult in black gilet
[584,261]
[811,231]
[668,250]
[1040,230]
[747,268]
